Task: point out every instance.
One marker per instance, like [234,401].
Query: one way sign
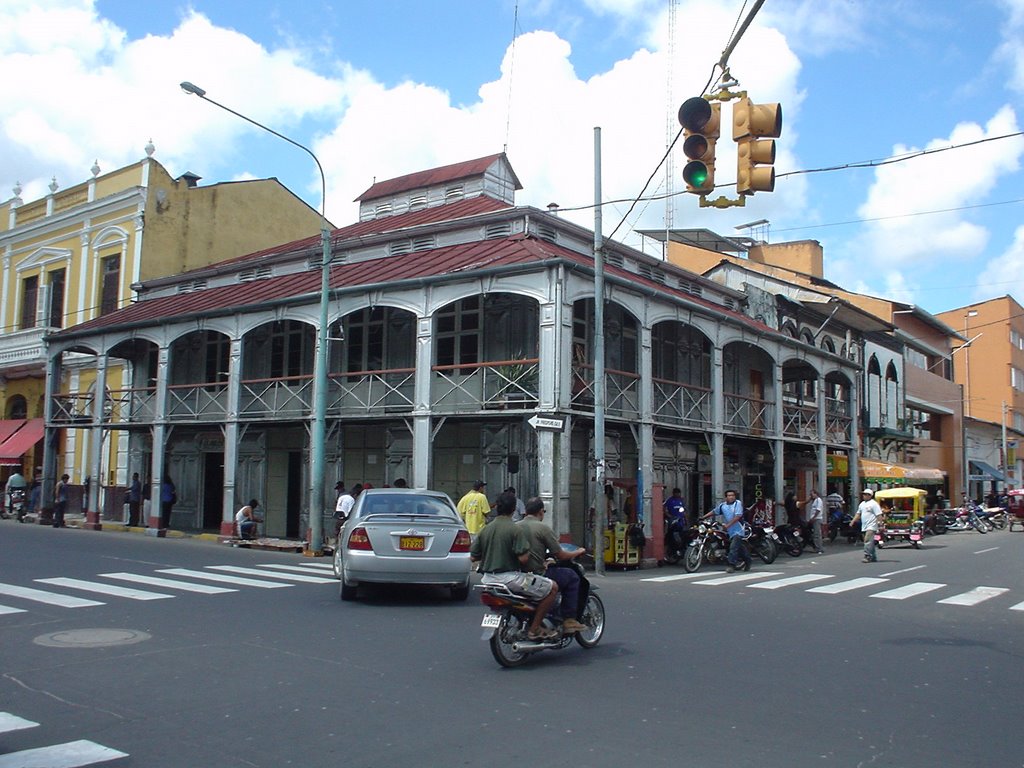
[546,422]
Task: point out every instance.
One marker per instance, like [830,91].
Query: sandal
[542,634]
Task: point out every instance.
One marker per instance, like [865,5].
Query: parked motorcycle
[997,517]
[967,519]
[842,525]
[764,543]
[16,505]
[790,540]
[710,544]
[676,540]
[508,620]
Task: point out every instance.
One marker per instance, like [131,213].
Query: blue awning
[990,472]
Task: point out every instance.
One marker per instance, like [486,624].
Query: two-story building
[455,317]
[86,252]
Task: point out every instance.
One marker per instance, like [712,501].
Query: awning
[876,470]
[20,442]
[986,470]
[9,426]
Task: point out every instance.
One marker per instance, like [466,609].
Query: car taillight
[462,542]
[359,540]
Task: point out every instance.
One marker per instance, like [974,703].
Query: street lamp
[319,432]
[967,360]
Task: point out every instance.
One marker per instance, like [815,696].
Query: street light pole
[318,434]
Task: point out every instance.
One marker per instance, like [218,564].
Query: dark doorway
[294,500]
[213,490]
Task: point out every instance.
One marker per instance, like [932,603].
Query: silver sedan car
[403,536]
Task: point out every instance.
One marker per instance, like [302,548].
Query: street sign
[546,422]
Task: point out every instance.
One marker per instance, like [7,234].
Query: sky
[381,89]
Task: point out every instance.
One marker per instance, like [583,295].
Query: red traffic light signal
[701,121]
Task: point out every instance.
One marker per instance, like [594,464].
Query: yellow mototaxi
[903,511]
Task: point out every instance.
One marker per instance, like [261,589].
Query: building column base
[92,521]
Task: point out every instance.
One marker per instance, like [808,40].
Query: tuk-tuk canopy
[900,493]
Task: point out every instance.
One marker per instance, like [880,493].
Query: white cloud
[1005,273]
[1011,50]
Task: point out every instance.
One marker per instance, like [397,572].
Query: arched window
[17,407]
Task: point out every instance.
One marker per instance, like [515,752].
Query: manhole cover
[91,638]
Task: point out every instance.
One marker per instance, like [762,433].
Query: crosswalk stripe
[313,564]
[779,583]
[222,577]
[8,609]
[1017,607]
[311,568]
[676,577]
[974,596]
[910,590]
[50,598]
[846,586]
[105,589]
[734,577]
[156,581]
[286,576]
[9,722]
[70,755]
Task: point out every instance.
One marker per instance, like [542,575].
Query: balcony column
[227,523]
[54,372]
[717,432]
[99,403]
[547,399]
[822,445]
[854,453]
[778,443]
[160,433]
[653,522]
[422,431]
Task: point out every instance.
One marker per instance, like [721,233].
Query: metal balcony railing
[681,404]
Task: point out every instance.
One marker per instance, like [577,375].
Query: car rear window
[406,505]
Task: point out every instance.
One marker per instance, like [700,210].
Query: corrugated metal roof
[464,258]
[432,177]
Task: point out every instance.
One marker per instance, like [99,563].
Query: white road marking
[105,589]
[737,577]
[910,590]
[9,722]
[983,551]
[7,609]
[846,586]
[975,596]
[1017,607]
[50,598]
[156,581]
[221,577]
[312,564]
[286,576]
[70,755]
[298,569]
[779,583]
[903,570]
[676,577]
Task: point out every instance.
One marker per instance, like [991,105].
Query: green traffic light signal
[701,123]
[695,174]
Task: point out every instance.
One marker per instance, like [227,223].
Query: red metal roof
[448,260]
[432,177]
[18,444]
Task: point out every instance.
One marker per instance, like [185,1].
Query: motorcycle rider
[675,517]
[731,511]
[544,544]
[16,482]
[502,550]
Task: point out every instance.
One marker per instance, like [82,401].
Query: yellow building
[78,253]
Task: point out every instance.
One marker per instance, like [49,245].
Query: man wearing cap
[473,507]
[868,513]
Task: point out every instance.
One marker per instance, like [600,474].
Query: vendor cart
[1015,507]
[903,511]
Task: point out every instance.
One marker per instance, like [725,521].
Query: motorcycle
[677,537]
[508,620]
[791,541]
[710,544]
[841,524]
[16,505]
[764,543]
[997,517]
[966,519]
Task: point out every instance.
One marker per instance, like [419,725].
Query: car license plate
[417,543]
[491,620]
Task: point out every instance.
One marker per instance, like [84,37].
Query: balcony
[503,385]
[622,391]
[366,393]
[748,415]
[24,351]
[681,404]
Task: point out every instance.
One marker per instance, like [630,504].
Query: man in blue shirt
[675,509]
[731,511]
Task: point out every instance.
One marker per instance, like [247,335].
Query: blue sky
[379,89]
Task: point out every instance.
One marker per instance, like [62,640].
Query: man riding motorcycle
[544,545]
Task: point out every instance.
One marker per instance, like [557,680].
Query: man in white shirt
[868,513]
[815,511]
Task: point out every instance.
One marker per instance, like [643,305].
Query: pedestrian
[792,510]
[815,511]
[246,520]
[60,501]
[168,498]
[474,507]
[134,500]
[868,513]
[520,512]
[731,511]
[346,500]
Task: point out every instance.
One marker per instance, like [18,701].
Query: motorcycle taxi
[903,519]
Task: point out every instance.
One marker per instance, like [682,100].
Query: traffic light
[755,127]
[701,121]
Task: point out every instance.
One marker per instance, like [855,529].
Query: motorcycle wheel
[833,534]
[979,526]
[672,556]
[998,522]
[692,559]
[593,617]
[502,639]
[767,551]
[792,548]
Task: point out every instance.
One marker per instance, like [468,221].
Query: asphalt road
[695,671]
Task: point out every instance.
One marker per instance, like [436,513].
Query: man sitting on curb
[543,545]
[246,520]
